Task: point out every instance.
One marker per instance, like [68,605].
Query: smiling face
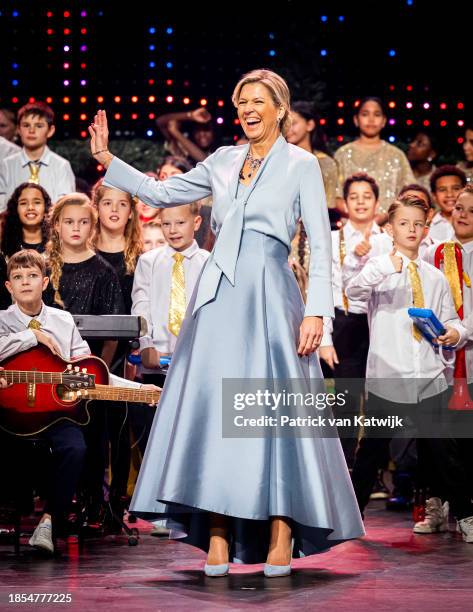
[114,210]
[446,192]
[178,225]
[34,131]
[74,226]
[26,285]
[370,119]
[361,202]
[31,207]
[257,113]
[300,130]
[407,227]
[462,217]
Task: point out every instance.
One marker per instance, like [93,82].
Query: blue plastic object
[428,325]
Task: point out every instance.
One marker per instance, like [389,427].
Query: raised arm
[177,190]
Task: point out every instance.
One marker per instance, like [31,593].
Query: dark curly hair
[12,237]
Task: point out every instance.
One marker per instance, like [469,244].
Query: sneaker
[436,517]
[380,490]
[42,537]
[466,528]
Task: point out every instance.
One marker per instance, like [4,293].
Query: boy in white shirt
[390,284]
[446,183]
[35,162]
[55,329]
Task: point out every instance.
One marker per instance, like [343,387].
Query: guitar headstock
[75,378]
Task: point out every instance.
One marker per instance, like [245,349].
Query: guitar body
[27,409]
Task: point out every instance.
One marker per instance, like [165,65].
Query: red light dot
[460,106]
[323,121]
[409,122]
[14,100]
[152,116]
[49,14]
[67,14]
[340,121]
[443,123]
[391,88]
[443,106]
[409,88]
[100,99]
[426,122]
[83,100]
[117,116]
[236,121]
[134,116]
[49,32]
[117,99]
[340,104]
[203,102]
[392,104]
[235,138]
[50,49]
[99,168]
[66,100]
[186,101]
[460,140]
[83,134]
[460,123]
[83,117]
[49,100]
[151,99]
[169,82]
[31,100]
[66,31]
[83,30]
[83,66]
[220,103]
[357,103]
[134,98]
[340,138]
[151,82]
[66,117]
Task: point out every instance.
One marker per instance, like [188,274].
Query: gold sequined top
[386,164]
[468,170]
[329,169]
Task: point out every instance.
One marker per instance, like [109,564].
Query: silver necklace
[254,164]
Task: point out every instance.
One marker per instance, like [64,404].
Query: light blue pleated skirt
[250,330]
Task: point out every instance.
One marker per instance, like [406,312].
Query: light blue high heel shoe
[215,571]
[278,571]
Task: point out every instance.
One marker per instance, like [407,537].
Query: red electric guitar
[47,389]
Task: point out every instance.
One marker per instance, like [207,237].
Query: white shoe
[466,528]
[42,536]
[436,517]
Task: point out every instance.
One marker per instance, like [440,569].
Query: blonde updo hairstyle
[54,248]
[276,86]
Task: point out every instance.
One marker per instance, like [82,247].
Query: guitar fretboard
[122,394]
[31,376]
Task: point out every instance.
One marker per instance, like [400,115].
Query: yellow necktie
[417,294]
[34,172]
[177,303]
[34,324]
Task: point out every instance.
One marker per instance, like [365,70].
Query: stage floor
[390,569]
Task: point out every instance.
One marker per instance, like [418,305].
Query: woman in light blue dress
[245,499]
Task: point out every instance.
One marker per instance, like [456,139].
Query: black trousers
[351,342]
[63,468]
[142,415]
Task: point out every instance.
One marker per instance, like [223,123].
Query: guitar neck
[32,376]
[123,394]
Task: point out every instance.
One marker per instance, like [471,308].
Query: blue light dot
[169,65]
[341,18]
[152,47]
[392,53]
[392,139]
[169,31]
[15,14]
[14,66]
[410,2]
[152,64]
[149,132]
[152,30]
[14,82]
[324,18]
[272,53]
[323,52]
[271,36]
